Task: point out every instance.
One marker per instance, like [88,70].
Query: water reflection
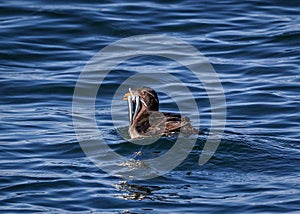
[136,192]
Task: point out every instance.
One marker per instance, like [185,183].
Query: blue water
[254,47]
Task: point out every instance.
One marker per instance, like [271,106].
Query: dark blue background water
[254,46]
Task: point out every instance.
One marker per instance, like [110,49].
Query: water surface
[254,48]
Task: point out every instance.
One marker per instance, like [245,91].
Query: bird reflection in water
[135,192]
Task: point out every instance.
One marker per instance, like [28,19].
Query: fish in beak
[133,105]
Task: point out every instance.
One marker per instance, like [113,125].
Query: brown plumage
[146,120]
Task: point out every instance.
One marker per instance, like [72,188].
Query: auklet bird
[145,119]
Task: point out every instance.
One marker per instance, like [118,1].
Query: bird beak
[132,100]
[126,96]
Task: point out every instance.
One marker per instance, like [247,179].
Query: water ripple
[253,46]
